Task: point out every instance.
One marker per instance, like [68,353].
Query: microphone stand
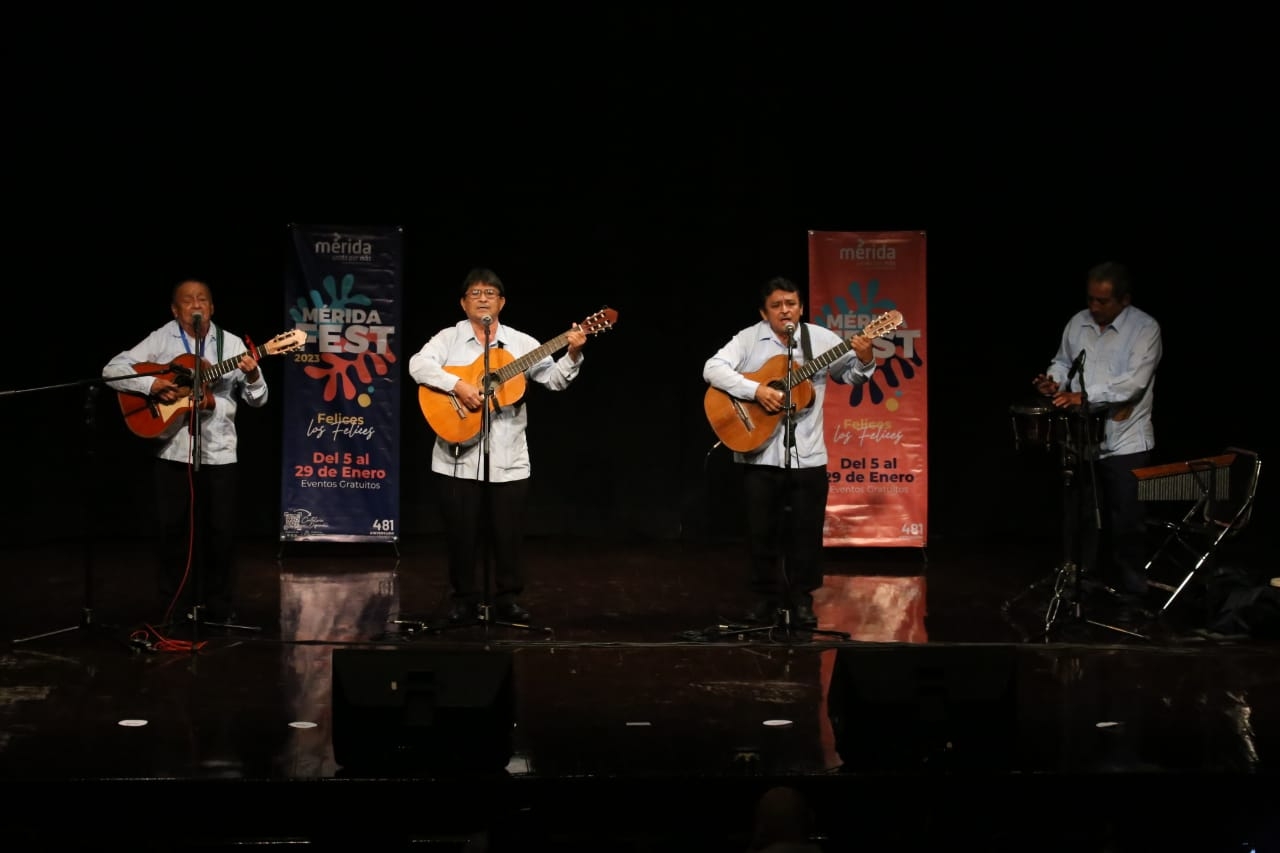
[782,617]
[193,425]
[200,548]
[1064,578]
[1066,582]
[86,622]
[1071,580]
[197,395]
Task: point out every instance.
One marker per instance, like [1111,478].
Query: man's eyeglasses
[490,292]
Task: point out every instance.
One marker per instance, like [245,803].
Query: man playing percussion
[1107,358]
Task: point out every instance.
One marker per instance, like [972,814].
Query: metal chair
[1222,512]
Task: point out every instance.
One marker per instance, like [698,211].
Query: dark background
[659,164]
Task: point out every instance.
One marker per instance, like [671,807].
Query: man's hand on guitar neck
[577,339]
[249,367]
[861,346]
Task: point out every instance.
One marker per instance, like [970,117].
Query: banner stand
[340,472]
[877,432]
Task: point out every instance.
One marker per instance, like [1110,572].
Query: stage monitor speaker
[420,710]
[924,707]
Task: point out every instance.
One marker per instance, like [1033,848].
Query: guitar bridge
[458,409]
[744,416]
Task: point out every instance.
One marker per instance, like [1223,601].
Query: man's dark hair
[480,275]
[173,291]
[1117,274]
[779,283]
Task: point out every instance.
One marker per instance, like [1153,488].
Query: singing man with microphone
[189,343]
[785,478]
[483,486]
[1107,360]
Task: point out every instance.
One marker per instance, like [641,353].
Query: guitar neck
[806,370]
[217,371]
[881,325]
[529,359]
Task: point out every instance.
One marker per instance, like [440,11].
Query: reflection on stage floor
[633,712]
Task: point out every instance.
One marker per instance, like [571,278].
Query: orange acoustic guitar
[148,417]
[744,425]
[457,424]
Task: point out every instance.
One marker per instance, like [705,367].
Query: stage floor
[931,709]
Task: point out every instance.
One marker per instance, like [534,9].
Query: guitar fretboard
[878,327]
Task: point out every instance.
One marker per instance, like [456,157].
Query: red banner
[877,433]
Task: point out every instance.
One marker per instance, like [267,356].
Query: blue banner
[340,477]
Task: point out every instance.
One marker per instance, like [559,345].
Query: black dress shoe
[802,614]
[510,611]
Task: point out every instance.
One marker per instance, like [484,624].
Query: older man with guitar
[171,394]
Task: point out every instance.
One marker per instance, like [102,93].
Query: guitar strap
[217,343]
[518,403]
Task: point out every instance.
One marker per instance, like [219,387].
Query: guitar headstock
[285,342]
[883,325]
[601,321]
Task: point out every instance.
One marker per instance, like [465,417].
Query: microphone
[1076,366]
[789,328]
[486,319]
[197,380]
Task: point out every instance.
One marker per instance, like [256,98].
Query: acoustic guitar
[506,384]
[148,417]
[744,425]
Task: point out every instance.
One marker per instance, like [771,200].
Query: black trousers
[197,527]
[1114,551]
[786,509]
[483,515]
